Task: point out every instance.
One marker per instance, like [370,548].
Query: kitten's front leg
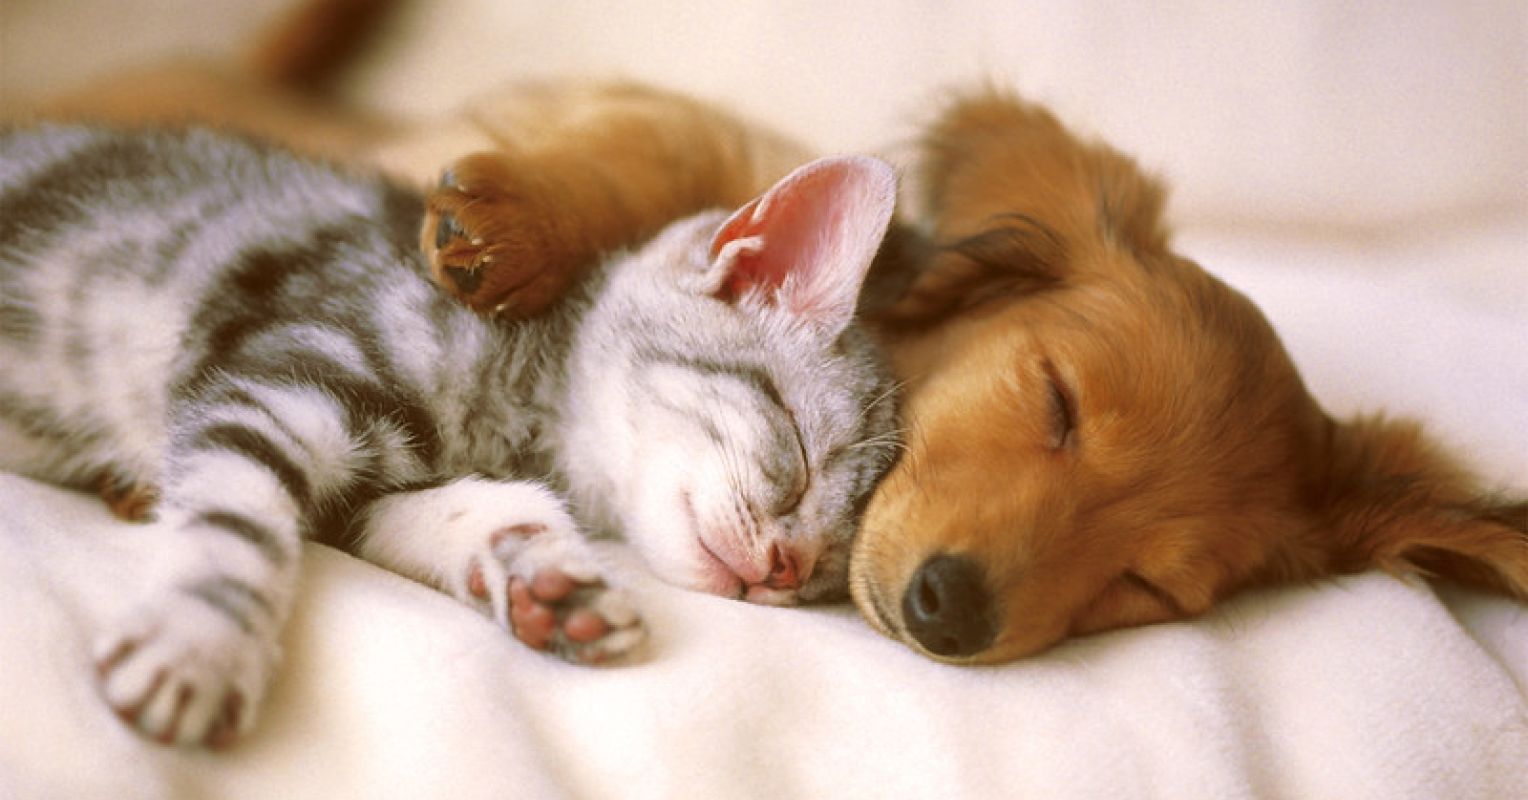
[190,662]
[510,550]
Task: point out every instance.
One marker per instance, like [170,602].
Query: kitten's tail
[310,45]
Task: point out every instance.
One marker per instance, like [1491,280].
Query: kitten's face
[747,471]
[732,438]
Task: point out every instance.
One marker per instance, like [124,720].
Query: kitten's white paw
[540,581]
[510,550]
[190,668]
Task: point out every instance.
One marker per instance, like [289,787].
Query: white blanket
[1365,687]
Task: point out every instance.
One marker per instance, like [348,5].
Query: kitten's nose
[788,569]
[946,607]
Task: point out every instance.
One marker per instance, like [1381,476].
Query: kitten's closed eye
[796,483]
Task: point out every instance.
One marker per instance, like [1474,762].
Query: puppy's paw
[189,669]
[497,240]
[541,583]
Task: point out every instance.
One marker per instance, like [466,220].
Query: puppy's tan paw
[494,237]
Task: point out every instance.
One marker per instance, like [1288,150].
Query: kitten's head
[726,415]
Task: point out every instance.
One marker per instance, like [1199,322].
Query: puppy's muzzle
[947,608]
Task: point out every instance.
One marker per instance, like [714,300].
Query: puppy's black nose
[946,607]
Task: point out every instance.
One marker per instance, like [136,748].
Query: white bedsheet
[1365,687]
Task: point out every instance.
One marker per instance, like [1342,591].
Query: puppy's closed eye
[1063,410]
[1138,582]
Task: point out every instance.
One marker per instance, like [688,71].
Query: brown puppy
[1101,434]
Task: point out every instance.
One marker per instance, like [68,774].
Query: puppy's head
[1100,434]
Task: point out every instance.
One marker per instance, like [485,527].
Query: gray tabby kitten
[254,335]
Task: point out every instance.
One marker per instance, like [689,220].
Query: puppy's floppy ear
[1390,499]
[992,152]
[1015,256]
[1016,202]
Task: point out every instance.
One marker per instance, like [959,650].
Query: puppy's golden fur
[1101,434]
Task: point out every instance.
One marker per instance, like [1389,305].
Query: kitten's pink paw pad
[550,596]
[581,621]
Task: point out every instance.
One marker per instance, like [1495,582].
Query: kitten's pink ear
[806,244]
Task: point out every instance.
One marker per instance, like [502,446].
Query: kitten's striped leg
[190,663]
[510,550]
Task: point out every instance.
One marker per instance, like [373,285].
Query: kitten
[256,337]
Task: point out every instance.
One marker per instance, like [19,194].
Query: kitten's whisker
[731,459]
[892,438]
[888,393]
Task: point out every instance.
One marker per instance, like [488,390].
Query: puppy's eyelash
[1135,580]
[1063,409]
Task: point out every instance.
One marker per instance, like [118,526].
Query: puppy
[1100,434]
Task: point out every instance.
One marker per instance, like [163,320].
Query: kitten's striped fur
[255,336]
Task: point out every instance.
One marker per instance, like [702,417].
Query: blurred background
[1362,118]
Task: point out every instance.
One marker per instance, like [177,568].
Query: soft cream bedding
[1405,122]
[1365,687]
